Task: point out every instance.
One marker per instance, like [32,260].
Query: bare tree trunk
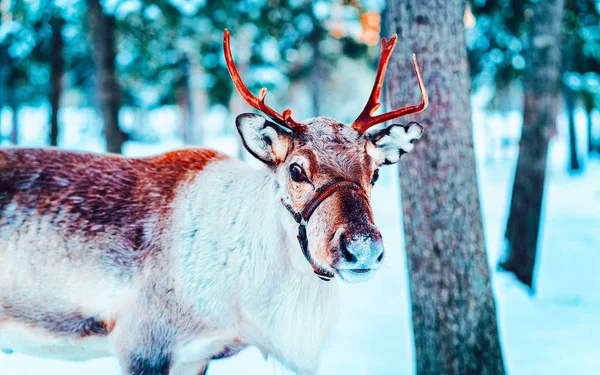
[13,103]
[569,96]
[592,145]
[199,100]
[541,85]
[56,74]
[317,76]
[14,130]
[102,29]
[182,96]
[4,67]
[453,309]
[588,101]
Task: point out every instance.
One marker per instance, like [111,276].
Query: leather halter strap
[303,216]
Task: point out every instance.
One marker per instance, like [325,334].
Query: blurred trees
[150,53]
[24,45]
[56,73]
[540,110]
[580,65]
[32,73]
[453,309]
[498,39]
[503,49]
[102,32]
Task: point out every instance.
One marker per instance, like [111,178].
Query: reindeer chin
[354,276]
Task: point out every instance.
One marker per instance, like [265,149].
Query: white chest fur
[246,271]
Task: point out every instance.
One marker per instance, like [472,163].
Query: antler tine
[286,116]
[284,120]
[366,119]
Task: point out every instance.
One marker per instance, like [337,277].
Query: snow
[554,331]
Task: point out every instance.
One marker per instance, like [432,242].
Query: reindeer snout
[361,252]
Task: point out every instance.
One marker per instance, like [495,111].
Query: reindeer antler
[366,119]
[284,119]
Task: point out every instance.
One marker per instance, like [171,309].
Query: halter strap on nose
[303,216]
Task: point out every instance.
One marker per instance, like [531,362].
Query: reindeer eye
[375,177]
[297,173]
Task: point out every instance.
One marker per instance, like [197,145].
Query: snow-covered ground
[556,331]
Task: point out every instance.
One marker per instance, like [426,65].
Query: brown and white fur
[170,261]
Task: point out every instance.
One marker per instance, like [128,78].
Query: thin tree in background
[589,105]
[192,98]
[102,30]
[541,85]
[570,97]
[453,309]
[56,74]
[7,88]
[13,102]
[184,100]
[3,67]
[318,76]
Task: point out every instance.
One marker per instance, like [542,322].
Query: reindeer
[170,261]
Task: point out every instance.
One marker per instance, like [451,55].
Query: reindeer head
[326,171]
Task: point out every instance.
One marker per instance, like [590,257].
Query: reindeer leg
[190,368]
[204,370]
[148,366]
[144,348]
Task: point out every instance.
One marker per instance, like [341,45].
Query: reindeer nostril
[348,256]
[380,258]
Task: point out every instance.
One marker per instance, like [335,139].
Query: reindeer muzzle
[303,216]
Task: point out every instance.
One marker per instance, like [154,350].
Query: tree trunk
[453,309]
[569,96]
[198,98]
[541,85]
[102,29]
[14,130]
[56,75]
[590,127]
[3,67]
[13,103]
[588,101]
[183,99]
[317,78]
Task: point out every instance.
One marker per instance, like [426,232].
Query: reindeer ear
[388,144]
[263,139]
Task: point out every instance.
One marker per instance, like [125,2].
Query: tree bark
[14,130]
[13,103]
[541,88]
[3,67]
[588,101]
[56,74]
[183,99]
[453,309]
[317,78]
[102,30]
[590,127]
[196,101]
[569,95]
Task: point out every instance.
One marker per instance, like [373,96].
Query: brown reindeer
[170,261]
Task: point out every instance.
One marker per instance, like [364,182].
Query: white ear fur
[388,144]
[263,139]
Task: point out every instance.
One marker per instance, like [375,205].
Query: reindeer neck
[234,238]
[252,235]
[278,275]
[272,242]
